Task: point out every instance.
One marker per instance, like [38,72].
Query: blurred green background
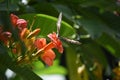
[94,23]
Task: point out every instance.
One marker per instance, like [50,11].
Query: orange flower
[48,57]
[29,37]
[40,43]
[24,33]
[33,33]
[48,54]
[16,22]
[56,41]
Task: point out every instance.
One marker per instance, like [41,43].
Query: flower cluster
[35,47]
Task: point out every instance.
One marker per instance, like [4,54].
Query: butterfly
[58,32]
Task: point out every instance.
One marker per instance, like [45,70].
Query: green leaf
[47,24]
[67,12]
[101,4]
[93,51]
[39,68]
[112,20]
[110,44]
[94,24]
[72,65]
[7,62]
[46,8]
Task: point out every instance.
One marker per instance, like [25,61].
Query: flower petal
[48,57]
[14,19]
[40,43]
[56,41]
[33,33]
[21,23]
[4,36]
[24,33]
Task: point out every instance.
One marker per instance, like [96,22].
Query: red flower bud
[21,23]
[14,19]
[16,22]
[4,36]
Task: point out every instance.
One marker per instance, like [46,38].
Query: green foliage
[110,44]
[7,62]
[97,18]
[9,5]
[73,65]
[40,69]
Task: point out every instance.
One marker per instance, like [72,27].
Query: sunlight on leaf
[47,24]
